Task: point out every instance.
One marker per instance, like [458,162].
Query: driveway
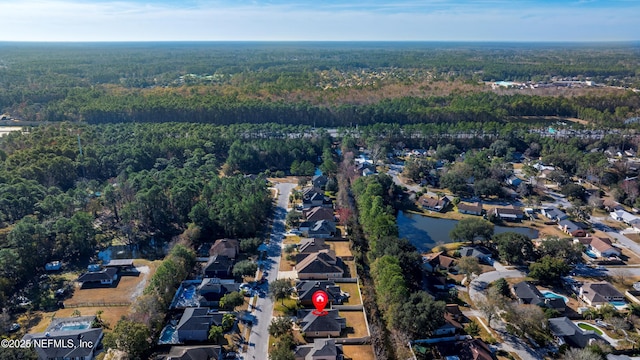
[259,338]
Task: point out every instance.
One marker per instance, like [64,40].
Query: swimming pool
[68,327]
[552,295]
[169,335]
[620,305]
[591,254]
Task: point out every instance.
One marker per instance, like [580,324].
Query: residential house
[204,352]
[311,245]
[483,255]
[437,261]
[434,204]
[611,205]
[453,319]
[314,326]
[319,213]
[306,288]
[91,339]
[219,266]
[567,332]
[322,229]
[314,197]
[527,293]
[321,349]
[509,213]
[211,290]
[124,266]
[602,247]
[470,209]
[97,278]
[599,293]
[321,265]
[226,247]
[571,228]
[195,323]
[554,214]
[319,181]
[624,216]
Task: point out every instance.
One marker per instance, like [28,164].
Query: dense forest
[324,84]
[68,190]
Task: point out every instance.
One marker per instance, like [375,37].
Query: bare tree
[491,305]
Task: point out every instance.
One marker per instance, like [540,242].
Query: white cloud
[38,20]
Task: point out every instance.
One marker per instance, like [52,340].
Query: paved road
[259,338]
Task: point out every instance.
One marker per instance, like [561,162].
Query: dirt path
[137,291]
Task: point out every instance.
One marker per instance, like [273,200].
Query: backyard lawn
[354,295]
[358,352]
[356,325]
[341,248]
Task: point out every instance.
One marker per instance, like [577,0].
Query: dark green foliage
[168,276]
[228,320]
[419,315]
[215,333]
[231,300]
[514,248]
[549,270]
[470,229]
[561,248]
[233,206]
[502,287]
[130,337]
[280,326]
[250,245]
[280,289]
[472,329]
[283,349]
[244,268]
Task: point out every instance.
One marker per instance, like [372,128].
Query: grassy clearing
[341,248]
[280,310]
[128,288]
[589,327]
[356,325]
[352,289]
[293,239]
[358,352]
[351,265]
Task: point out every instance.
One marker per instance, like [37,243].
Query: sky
[320,20]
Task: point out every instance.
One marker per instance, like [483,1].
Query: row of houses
[317,209]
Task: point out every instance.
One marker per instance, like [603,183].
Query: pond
[426,232]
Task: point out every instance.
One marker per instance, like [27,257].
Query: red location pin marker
[320,300]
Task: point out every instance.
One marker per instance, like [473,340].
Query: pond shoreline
[426,232]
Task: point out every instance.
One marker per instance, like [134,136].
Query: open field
[358,352]
[340,247]
[356,325]
[129,287]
